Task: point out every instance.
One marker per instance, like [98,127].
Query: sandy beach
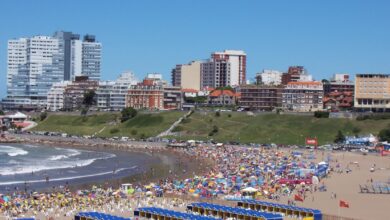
[346,187]
[340,184]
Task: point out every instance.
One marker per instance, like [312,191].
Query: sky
[145,36]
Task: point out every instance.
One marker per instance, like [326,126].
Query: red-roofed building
[337,101]
[223,97]
[190,92]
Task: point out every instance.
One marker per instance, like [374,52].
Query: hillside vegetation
[272,128]
[228,126]
[108,124]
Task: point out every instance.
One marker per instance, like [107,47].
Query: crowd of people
[237,172]
[258,172]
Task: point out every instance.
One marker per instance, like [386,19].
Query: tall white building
[112,94]
[90,58]
[227,68]
[35,64]
[269,77]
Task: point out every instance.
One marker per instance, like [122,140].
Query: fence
[190,199]
[335,217]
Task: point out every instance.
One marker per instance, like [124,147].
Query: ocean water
[42,166]
[22,159]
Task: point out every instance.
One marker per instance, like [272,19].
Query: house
[17,117]
[190,93]
[338,101]
[223,97]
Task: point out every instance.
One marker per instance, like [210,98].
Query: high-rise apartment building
[227,68]
[90,58]
[35,64]
[372,92]
[187,76]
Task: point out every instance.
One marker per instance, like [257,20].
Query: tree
[325,81]
[217,114]
[84,111]
[320,114]
[114,130]
[89,98]
[43,116]
[134,132]
[384,134]
[340,138]
[1,112]
[225,88]
[128,113]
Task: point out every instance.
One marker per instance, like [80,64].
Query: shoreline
[170,164]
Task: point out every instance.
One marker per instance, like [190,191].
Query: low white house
[17,117]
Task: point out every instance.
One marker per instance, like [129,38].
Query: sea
[32,167]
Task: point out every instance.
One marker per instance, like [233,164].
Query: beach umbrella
[130,191]
[322,163]
[249,189]
[315,180]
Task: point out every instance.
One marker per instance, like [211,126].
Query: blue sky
[145,36]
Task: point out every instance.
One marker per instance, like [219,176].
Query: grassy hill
[108,125]
[231,126]
[272,128]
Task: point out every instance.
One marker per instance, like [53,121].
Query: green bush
[128,113]
[178,129]
[186,120]
[320,114]
[114,130]
[217,114]
[133,132]
[373,117]
[340,138]
[43,116]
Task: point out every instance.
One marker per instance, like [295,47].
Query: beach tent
[159,213]
[97,216]
[230,212]
[250,190]
[287,210]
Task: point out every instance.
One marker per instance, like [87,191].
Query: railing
[335,217]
